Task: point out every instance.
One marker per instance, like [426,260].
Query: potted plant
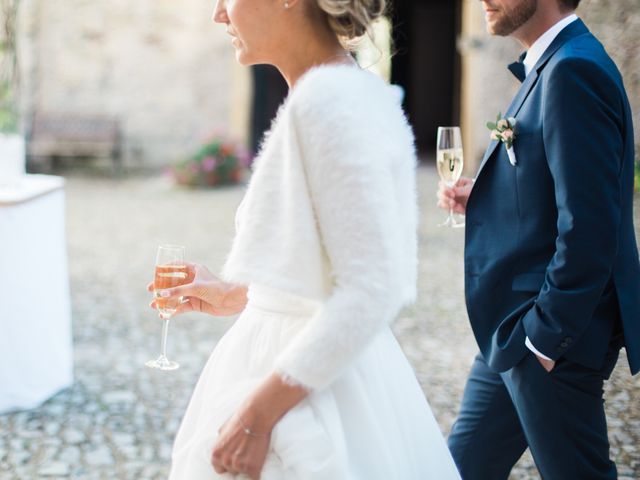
[218,161]
[12,144]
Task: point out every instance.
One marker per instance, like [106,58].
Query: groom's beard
[511,19]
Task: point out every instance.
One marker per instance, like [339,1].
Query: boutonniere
[504,130]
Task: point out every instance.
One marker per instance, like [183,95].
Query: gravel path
[119,418]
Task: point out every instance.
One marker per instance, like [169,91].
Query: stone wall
[488,86]
[162,67]
[617,24]
[169,74]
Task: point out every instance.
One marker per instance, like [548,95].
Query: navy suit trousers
[558,415]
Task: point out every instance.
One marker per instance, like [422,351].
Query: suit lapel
[571,31]
[512,111]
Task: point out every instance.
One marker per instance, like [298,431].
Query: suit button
[564,344]
[559,350]
[568,340]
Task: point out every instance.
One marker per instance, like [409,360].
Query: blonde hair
[352,19]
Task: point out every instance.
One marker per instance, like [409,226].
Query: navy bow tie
[517,68]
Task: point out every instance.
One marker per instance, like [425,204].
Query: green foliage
[8,121]
[637,176]
[9,112]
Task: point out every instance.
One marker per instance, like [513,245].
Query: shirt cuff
[530,346]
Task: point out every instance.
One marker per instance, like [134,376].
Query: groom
[552,277]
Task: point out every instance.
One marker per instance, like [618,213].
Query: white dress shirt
[542,43]
[533,55]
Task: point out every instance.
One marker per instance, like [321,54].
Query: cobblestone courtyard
[119,418]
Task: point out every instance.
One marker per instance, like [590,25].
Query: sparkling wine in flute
[171,271]
[450,163]
[168,276]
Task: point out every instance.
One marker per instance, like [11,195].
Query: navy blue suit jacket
[550,247]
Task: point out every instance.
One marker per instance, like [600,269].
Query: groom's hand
[548,365]
[455,197]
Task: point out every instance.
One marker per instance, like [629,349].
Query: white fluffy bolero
[330,215]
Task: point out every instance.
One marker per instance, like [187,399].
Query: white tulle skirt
[373,423]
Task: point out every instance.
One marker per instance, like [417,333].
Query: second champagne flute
[171,271]
[449,161]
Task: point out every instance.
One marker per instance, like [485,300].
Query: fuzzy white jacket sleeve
[353,179]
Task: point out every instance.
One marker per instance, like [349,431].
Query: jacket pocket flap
[528,282]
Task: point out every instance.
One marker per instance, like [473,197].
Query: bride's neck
[319,47]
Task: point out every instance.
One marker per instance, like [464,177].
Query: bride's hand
[240,451]
[206,293]
[455,197]
[243,443]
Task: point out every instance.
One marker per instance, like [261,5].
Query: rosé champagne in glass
[168,276]
[171,271]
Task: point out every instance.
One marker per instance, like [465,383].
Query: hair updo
[351,19]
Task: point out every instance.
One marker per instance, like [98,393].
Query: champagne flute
[171,271]
[449,161]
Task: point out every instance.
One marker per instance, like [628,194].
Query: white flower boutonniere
[504,130]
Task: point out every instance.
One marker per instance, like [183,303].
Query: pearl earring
[286,4]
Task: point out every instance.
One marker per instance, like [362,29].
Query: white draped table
[36,357]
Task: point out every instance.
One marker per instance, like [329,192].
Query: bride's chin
[243,58]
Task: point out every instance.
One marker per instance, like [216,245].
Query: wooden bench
[55,135]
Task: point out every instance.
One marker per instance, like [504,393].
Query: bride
[310,383]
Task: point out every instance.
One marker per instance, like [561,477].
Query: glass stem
[165,330]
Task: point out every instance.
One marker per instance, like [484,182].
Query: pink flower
[209,164]
[503,130]
[244,156]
